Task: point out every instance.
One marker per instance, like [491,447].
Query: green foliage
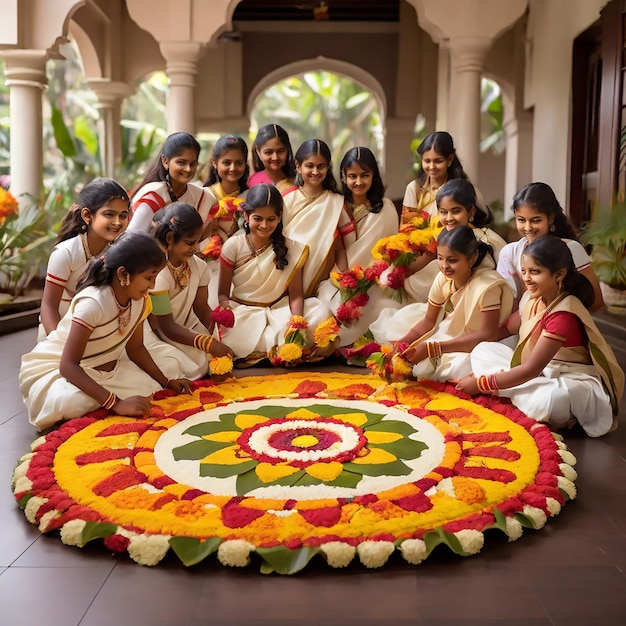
[606,233]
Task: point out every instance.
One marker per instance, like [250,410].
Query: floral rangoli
[282,468]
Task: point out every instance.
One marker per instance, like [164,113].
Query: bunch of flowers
[223,316]
[389,363]
[353,285]
[226,207]
[360,350]
[213,248]
[221,365]
[293,351]
[8,205]
[325,338]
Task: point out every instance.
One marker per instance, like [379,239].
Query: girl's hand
[468,385]
[221,349]
[179,385]
[415,352]
[134,406]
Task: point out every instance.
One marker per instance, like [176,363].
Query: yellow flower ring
[329,464]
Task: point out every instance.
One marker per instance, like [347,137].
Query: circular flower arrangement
[328,464]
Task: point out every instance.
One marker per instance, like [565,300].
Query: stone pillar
[110,96]
[468,56]
[181,65]
[518,163]
[25,72]
[398,160]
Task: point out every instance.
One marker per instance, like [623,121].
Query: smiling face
[540,282]
[531,223]
[454,265]
[436,166]
[108,222]
[453,214]
[230,166]
[184,248]
[358,180]
[182,167]
[313,170]
[273,154]
[263,222]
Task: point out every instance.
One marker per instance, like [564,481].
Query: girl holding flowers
[261,281]
[79,367]
[371,216]
[314,213]
[466,304]
[180,311]
[562,369]
[226,188]
[98,217]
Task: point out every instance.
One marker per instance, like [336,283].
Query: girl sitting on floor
[261,272]
[562,369]
[466,305]
[180,309]
[78,367]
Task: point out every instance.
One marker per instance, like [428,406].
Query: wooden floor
[571,573]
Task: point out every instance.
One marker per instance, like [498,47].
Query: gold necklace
[87,250]
[123,314]
[314,196]
[180,274]
[256,251]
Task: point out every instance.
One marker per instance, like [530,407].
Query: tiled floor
[571,573]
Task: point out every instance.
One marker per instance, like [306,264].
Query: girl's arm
[541,355]
[510,327]
[598,302]
[426,324]
[201,307]
[141,218]
[50,302]
[70,369]
[138,354]
[296,294]
[341,258]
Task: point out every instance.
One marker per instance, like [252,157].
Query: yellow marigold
[290,352]
[422,237]
[298,321]
[221,365]
[378,251]
[358,272]
[326,332]
[399,242]
[400,366]
[8,205]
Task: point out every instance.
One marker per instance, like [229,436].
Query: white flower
[538,517]
[338,553]
[72,533]
[235,552]
[384,277]
[514,529]
[35,444]
[553,506]
[567,457]
[566,485]
[414,551]
[32,506]
[46,518]
[20,470]
[568,471]
[23,484]
[471,540]
[148,549]
[375,553]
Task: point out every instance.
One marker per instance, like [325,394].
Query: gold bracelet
[110,401]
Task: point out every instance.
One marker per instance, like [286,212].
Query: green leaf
[225,471]
[394,426]
[500,520]
[524,520]
[395,468]
[205,428]
[249,481]
[192,551]
[196,450]
[83,131]
[346,479]
[285,561]
[62,135]
[404,448]
[97,530]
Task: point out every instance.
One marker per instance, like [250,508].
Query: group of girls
[292,228]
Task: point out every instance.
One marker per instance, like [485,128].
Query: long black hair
[134,251]
[267,195]
[222,145]
[178,218]
[553,253]
[317,146]
[264,134]
[93,196]
[541,197]
[442,143]
[462,240]
[364,158]
[463,192]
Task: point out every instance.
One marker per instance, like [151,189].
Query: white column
[25,72]
[398,160]
[468,55]
[518,163]
[110,95]
[181,65]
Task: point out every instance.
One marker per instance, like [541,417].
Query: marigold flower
[213,248]
[225,207]
[289,352]
[326,333]
[8,205]
[297,321]
[221,365]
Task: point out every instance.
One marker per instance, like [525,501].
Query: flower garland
[295,466]
[389,363]
[226,207]
[213,248]
[8,206]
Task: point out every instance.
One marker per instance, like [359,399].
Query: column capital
[25,67]
[181,61]
[469,53]
[109,92]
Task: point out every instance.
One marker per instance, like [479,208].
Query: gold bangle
[110,401]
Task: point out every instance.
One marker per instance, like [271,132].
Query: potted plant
[606,234]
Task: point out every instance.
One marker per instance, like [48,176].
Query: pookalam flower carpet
[277,470]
